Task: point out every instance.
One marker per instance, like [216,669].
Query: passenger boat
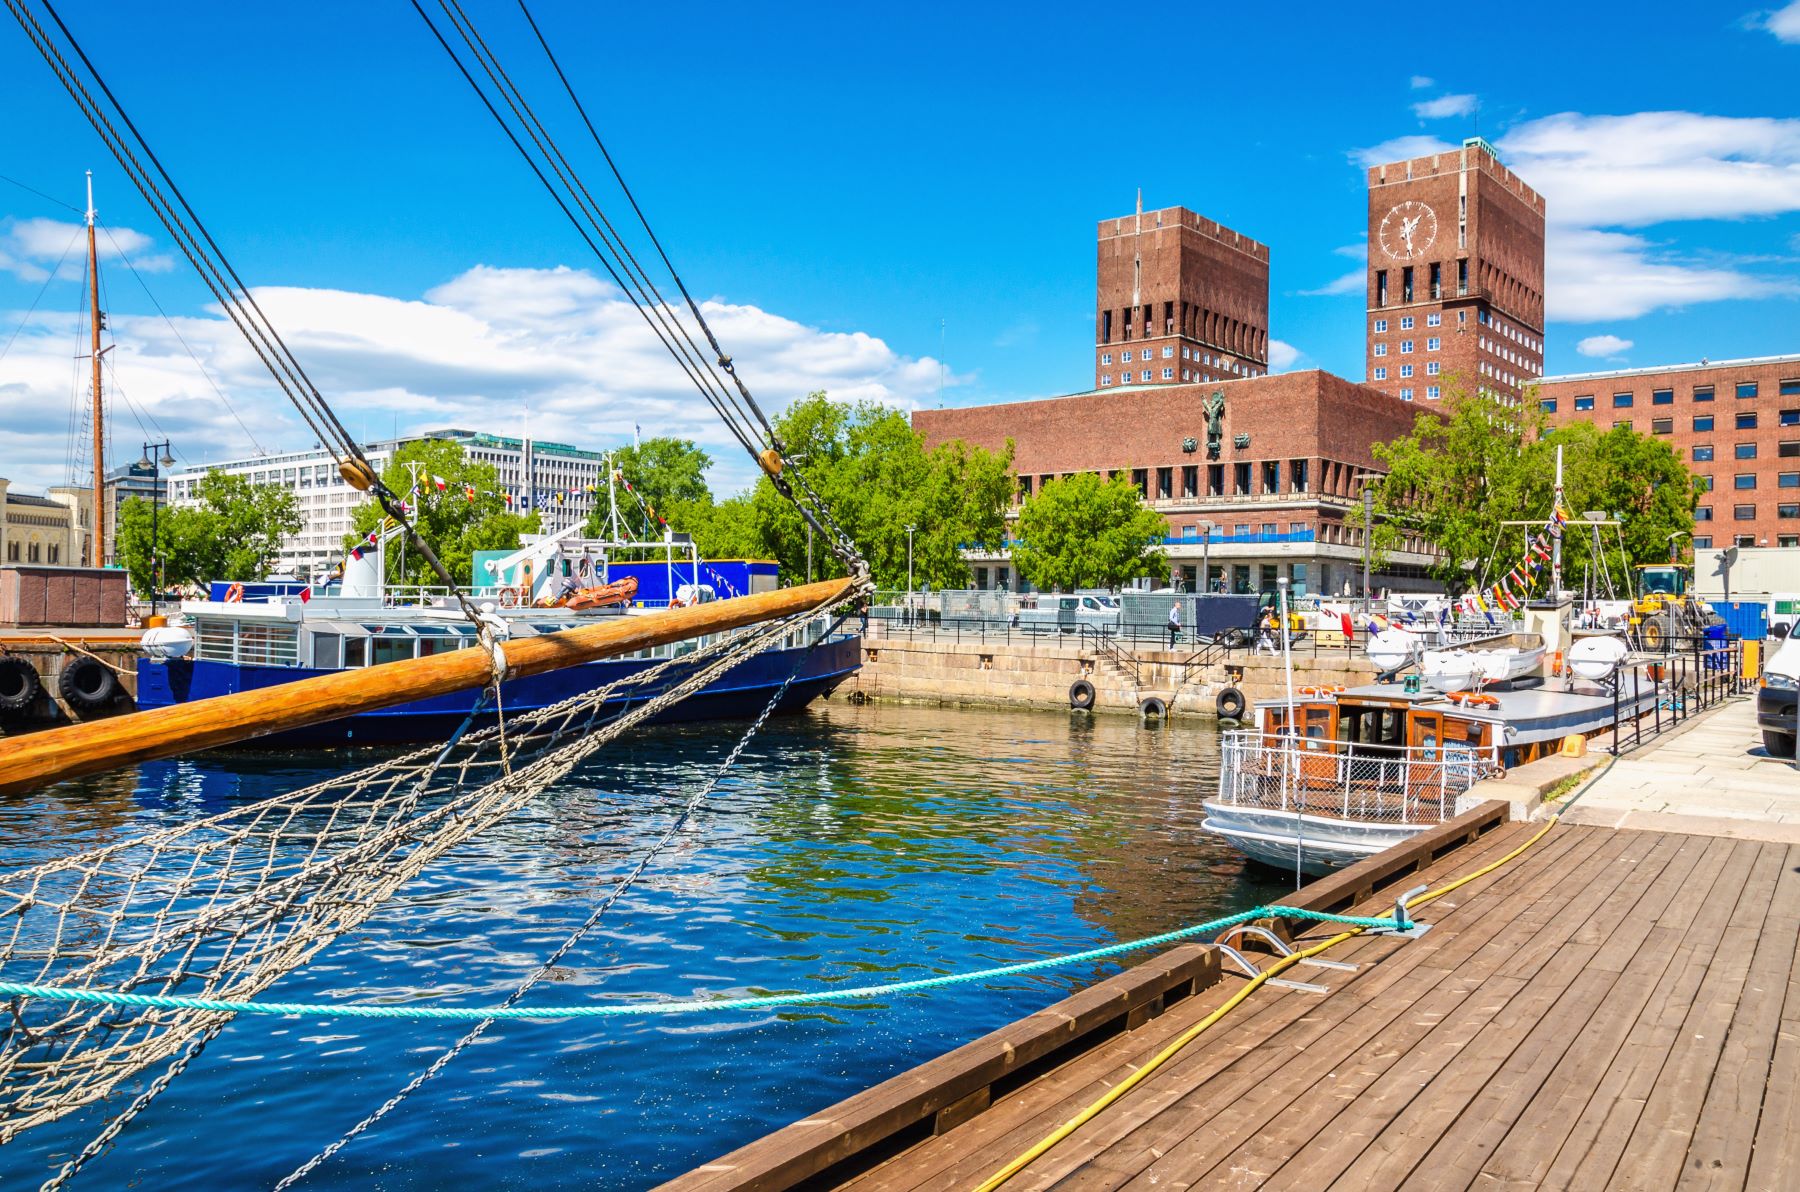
[262,640]
[1363,769]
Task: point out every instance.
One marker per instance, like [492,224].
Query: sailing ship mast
[97,552]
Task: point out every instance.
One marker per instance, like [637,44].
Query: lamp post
[909,571]
[1206,529]
[155,464]
[1368,541]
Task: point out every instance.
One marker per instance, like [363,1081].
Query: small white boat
[1488,660]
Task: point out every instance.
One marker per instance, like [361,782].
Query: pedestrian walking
[1174,623]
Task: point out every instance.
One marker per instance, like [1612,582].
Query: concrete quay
[1037,671]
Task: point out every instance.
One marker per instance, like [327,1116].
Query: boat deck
[1611,1008]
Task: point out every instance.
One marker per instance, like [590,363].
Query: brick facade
[1178,299]
[1735,422]
[1283,498]
[1455,275]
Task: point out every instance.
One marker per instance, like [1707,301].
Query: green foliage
[871,468]
[670,476]
[1476,462]
[454,526]
[1085,532]
[232,534]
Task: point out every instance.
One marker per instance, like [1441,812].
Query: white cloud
[1784,23]
[1420,82]
[1283,356]
[479,351]
[32,243]
[1444,106]
[1599,174]
[1349,283]
[1603,345]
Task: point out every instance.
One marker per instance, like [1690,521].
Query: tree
[1085,532]
[667,475]
[1477,462]
[233,533]
[468,515]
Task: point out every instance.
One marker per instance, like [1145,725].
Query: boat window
[392,649]
[268,645]
[327,651]
[356,651]
[437,645]
[1317,723]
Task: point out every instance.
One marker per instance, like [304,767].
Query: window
[1190,481]
[1146,374]
[1745,451]
[1462,316]
[1787,512]
[1548,405]
[1406,395]
[1621,401]
[1406,291]
[1168,374]
[1584,403]
[1165,483]
[1380,349]
[1662,426]
[1024,486]
[1624,422]
[1433,344]
[1406,323]
[1788,480]
[1431,368]
[1788,449]
[1703,393]
[1746,540]
[1380,326]
[1240,479]
[1705,483]
[1106,358]
[1787,540]
[1297,475]
[1406,347]
[1662,397]
[1747,421]
[1433,392]
[1743,513]
[1169,352]
[1433,320]
[1703,454]
[1704,513]
[1381,288]
[1406,370]
[1381,374]
[1746,389]
[1790,387]
[1703,542]
[1703,422]
[1744,481]
[1271,476]
[1790,418]
[1106,378]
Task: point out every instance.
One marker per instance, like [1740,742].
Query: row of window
[1432,344]
[1432,392]
[1747,390]
[1785,512]
[1745,420]
[1299,473]
[1406,322]
[1704,541]
[1406,370]
[1746,481]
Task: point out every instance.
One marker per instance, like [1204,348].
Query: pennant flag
[440,483]
[306,594]
[469,491]
[1349,625]
[356,552]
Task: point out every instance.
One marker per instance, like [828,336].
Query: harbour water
[851,846]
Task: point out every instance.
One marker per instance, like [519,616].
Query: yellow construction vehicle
[1666,607]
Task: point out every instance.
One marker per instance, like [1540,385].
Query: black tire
[1230,704]
[1655,633]
[18,684]
[1153,709]
[87,684]
[1778,744]
[1081,695]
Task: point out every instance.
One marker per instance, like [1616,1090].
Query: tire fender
[1081,695]
[19,684]
[87,684]
[1231,704]
[1153,709]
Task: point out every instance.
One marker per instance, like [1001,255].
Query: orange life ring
[1473,699]
[1314,692]
[234,594]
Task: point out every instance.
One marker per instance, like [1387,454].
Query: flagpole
[1556,539]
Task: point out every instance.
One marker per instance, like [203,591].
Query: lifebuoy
[19,684]
[1081,695]
[234,594]
[1153,707]
[87,684]
[1316,692]
[1473,699]
[1230,704]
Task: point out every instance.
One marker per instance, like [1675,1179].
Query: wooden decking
[1613,1008]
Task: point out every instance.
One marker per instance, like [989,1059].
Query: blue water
[856,845]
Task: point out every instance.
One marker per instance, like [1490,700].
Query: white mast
[1556,539]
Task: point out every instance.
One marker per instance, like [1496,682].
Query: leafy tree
[670,476]
[1086,532]
[1477,462]
[454,523]
[233,533]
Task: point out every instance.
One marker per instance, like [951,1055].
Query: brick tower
[1456,275]
[1179,298]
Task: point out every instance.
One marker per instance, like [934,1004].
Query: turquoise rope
[156,1001]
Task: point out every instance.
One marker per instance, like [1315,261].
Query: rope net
[224,906]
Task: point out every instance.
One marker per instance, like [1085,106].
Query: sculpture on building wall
[1213,407]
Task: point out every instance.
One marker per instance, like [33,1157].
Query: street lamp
[909,571]
[1206,529]
[154,465]
[1368,540]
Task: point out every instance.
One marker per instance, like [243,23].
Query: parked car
[1776,698]
[1056,613]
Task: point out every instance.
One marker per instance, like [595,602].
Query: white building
[532,472]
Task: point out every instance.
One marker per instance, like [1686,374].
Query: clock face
[1408,230]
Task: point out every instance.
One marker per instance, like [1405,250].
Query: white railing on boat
[1381,784]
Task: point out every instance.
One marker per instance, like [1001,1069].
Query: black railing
[1688,676]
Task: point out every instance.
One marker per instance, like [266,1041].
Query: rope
[68,645]
[144,1001]
[1162,1057]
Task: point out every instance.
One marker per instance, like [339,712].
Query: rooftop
[1698,366]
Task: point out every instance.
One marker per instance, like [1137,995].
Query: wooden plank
[1776,1153]
[95,746]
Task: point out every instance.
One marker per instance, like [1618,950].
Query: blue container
[1746,619]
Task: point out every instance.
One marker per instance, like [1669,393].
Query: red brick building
[1735,422]
[1280,495]
[1456,275]
[1178,299]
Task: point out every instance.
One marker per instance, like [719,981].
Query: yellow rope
[1194,1032]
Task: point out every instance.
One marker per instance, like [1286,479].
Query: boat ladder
[1281,948]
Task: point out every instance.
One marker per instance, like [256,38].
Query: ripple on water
[852,845]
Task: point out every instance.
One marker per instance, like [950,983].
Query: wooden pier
[1611,1008]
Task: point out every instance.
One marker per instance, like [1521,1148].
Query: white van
[1776,698]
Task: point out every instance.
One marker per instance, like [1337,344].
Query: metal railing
[1690,675]
[1385,784]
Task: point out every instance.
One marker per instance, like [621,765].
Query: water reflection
[850,845]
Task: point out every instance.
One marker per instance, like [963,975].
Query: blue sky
[877,197]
